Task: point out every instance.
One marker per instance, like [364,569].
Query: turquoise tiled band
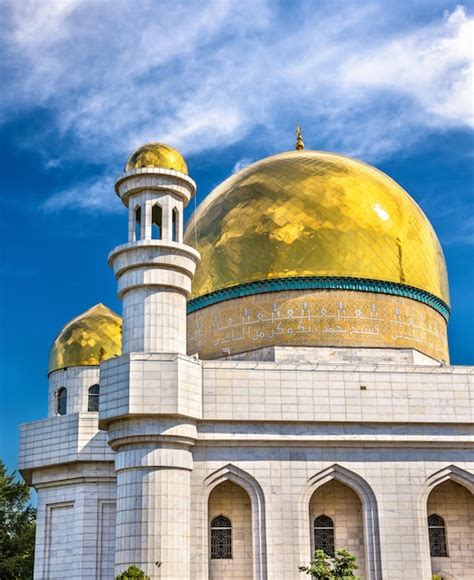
[320,283]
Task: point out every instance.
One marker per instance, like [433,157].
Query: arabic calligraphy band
[317,318]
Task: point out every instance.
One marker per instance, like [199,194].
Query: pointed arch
[247,482]
[449,473]
[370,514]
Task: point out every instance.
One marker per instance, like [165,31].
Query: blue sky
[84,82]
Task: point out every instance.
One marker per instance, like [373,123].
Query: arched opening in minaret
[230,532]
[450,522]
[156,222]
[175,225]
[93,399]
[138,222]
[61,401]
[336,521]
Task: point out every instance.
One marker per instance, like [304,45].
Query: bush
[324,567]
[132,573]
[436,577]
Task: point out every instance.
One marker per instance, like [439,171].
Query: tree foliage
[324,567]
[17,528]
[132,573]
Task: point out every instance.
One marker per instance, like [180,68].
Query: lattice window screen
[221,538]
[324,535]
[437,534]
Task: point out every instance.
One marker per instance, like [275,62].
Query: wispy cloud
[362,78]
[241,163]
[434,66]
[97,194]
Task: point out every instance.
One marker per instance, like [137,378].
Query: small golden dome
[90,338]
[157,155]
[314,214]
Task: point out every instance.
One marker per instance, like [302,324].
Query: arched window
[93,399]
[175,225]
[61,405]
[324,535]
[437,534]
[138,222]
[221,538]
[156,222]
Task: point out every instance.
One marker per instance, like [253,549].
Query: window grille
[62,401]
[324,535]
[93,399]
[437,535]
[221,538]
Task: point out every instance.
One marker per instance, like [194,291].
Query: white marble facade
[374,439]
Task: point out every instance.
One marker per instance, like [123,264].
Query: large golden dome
[311,215]
[87,340]
[157,155]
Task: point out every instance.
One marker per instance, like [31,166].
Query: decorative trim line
[320,283]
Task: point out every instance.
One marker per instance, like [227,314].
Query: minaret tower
[154,269]
[151,395]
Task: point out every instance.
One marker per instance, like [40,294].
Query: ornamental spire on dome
[299,139]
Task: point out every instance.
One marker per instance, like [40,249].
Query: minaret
[154,269]
[151,395]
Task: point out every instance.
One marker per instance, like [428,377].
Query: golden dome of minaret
[157,155]
[87,340]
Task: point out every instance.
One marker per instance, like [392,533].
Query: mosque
[279,382]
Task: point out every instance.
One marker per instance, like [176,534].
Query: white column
[153,510]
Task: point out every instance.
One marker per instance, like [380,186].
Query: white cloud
[434,66]
[360,78]
[241,163]
[94,195]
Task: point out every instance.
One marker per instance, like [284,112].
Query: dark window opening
[324,535]
[437,535]
[138,222]
[61,401]
[174,225]
[221,538]
[93,399]
[156,223]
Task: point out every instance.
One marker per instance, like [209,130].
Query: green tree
[324,567]
[132,573]
[17,528]
[320,566]
[345,565]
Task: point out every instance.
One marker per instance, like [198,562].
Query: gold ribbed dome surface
[88,339]
[311,213]
[157,155]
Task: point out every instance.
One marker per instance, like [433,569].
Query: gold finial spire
[299,139]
